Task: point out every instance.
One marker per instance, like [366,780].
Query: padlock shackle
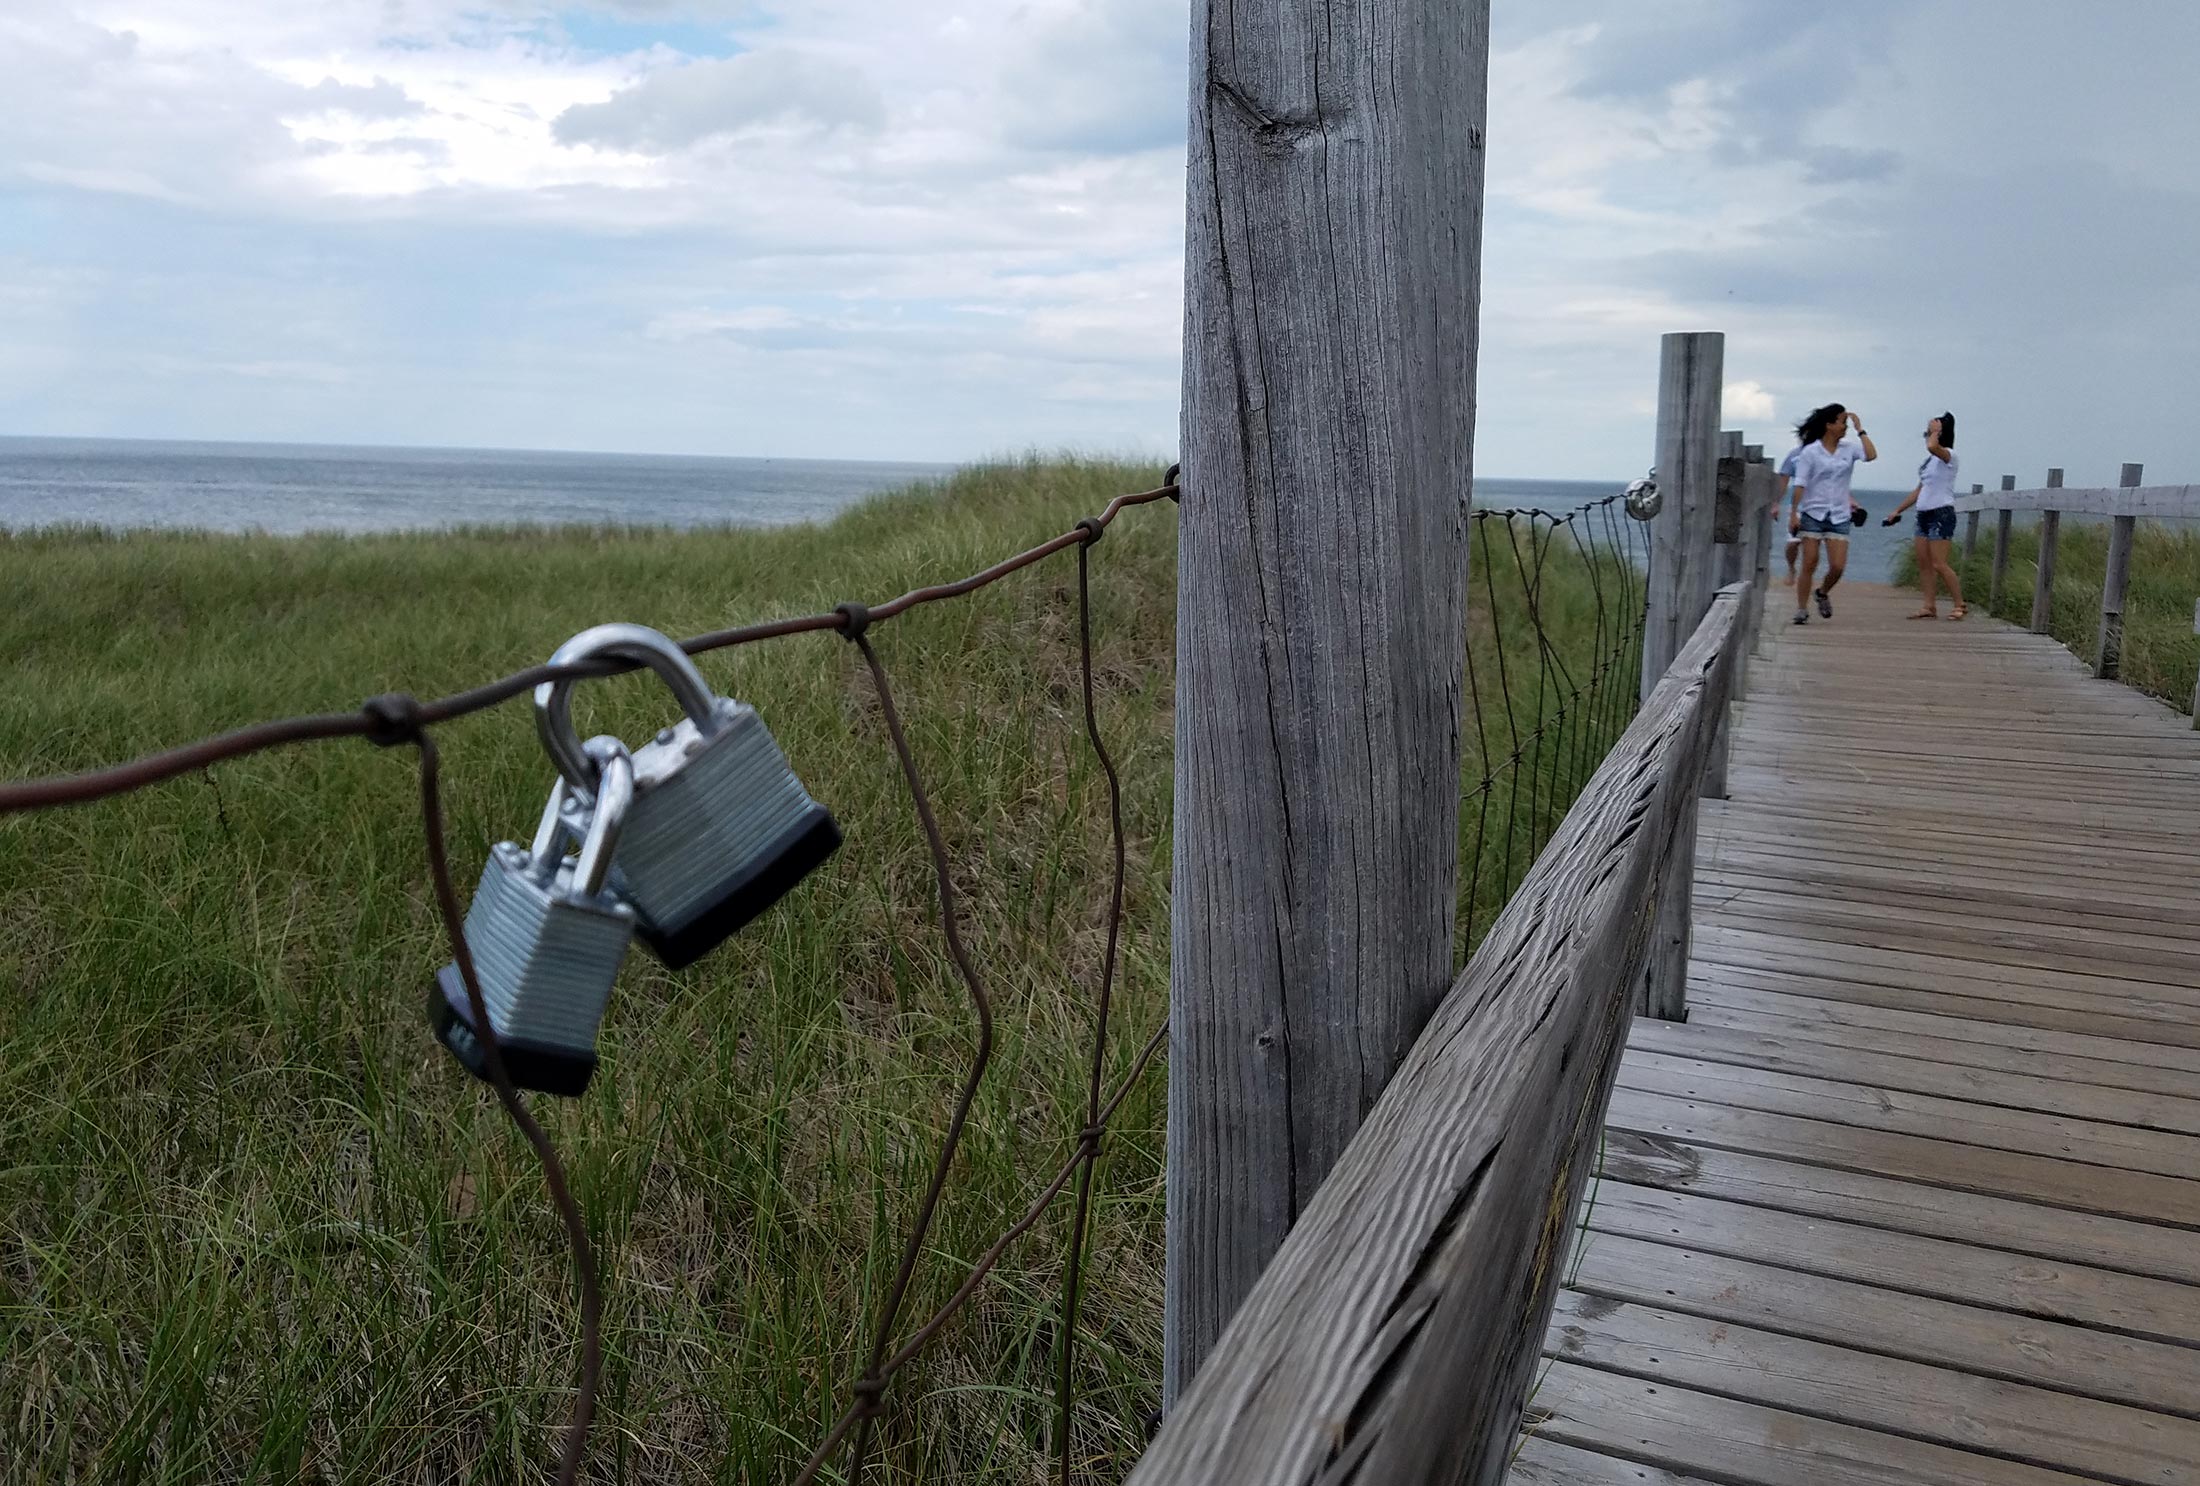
[635,642]
[614,794]
[547,849]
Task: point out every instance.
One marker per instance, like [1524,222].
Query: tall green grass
[255,1226]
[2161,653]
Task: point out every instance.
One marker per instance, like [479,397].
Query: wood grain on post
[1726,510]
[2108,650]
[2196,679]
[1332,308]
[2043,576]
[1397,1335]
[1730,548]
[1970,530]
[1691,370]
[2001,548]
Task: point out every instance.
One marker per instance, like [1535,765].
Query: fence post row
[2043,577]
[2108,651]
[1691,372]
[2001,547]
[1317,736]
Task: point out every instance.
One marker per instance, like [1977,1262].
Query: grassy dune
[255,1226]
[2161,652]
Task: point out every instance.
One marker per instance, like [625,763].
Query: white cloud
[1748,400]
[681,106]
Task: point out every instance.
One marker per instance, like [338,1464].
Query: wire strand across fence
[1550,656]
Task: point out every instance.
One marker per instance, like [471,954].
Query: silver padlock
[721,827]
[547,936]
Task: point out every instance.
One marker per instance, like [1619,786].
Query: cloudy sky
[877,228]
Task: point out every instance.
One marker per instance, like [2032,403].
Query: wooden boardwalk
[1913,1195]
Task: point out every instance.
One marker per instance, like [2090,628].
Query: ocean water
[288,488]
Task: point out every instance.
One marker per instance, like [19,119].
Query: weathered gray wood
[1730,537]
[1332,305]
[1659,1271]
[1747,1444]
[1691,373]
[1975,1273]
[2043,575]
[2001,547]
[2148,502]
[2108,648]
[1970,528]
[2104,1441]
[2196,679]
[1691,368]
[1397,1332]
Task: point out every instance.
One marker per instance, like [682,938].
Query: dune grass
[255,1226]
[2161,653]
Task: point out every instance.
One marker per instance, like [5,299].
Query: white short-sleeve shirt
[1825,478]
[1936,482]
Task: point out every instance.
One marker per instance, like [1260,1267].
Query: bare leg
[1793,544]
[1947,572]
[1804,573]
[1837,562]
[1928,579]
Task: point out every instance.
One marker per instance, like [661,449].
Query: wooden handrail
[1395,1336]
[2160,502]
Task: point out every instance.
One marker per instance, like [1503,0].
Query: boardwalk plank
[2037,1426]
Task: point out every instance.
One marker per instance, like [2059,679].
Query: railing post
[1729,534]
[2196,679]
[1691,372]
[2108,652]
[2043,577]
[1970,530]
[2001,548]
[1328,430]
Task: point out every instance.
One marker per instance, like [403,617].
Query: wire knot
[870,1395]
[854,620]
[1092,528]
[393,718]
[1089,1138]
[1170,479]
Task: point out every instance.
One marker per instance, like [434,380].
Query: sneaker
[1825,605]
[1802,616]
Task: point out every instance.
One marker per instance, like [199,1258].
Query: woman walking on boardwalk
[1819,502]
[1935,498]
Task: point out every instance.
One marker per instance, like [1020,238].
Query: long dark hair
[1947,430]
[1813,428]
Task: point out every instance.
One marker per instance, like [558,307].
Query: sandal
[1959,611]
[1926,614]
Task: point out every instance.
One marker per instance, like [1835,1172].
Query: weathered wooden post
[2043,577]
[2001,548]
[1691,371]
[2108,652]
[1332,307]
[1970,530]
[1729,527]
[1763,498]
[2196,679]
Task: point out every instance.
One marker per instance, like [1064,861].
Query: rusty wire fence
[1552,652]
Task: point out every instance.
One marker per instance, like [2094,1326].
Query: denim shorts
[1822,526]
[1937,526]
